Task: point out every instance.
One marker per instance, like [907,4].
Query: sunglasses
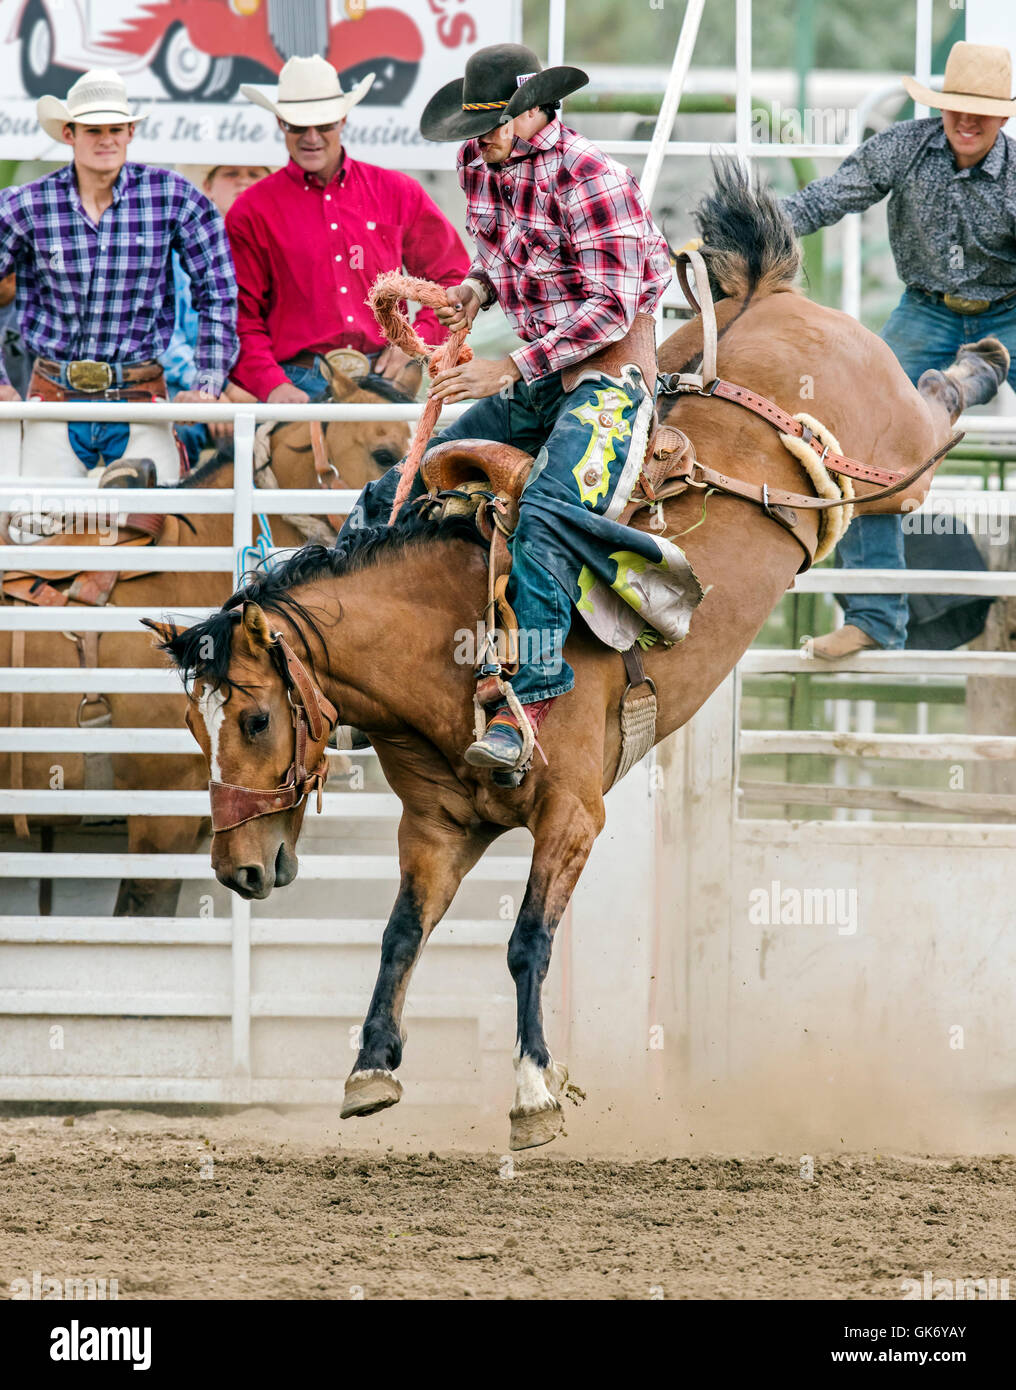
[323,128]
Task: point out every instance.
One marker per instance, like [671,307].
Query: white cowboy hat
[97,98]
[309,93]
[978,79]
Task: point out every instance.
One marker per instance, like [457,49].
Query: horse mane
[750,248]
[381,386]
[197,477]
[202,651]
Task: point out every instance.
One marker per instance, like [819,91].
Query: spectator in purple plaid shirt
[91,245]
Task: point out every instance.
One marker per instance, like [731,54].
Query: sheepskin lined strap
[783,506]
[786,424]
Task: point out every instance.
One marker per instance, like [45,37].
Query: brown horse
[369,628]
[353,449]
[364,451]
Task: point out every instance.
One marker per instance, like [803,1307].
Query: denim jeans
[307,379]
[562,430]
[922,333]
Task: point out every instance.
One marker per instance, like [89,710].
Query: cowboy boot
[973,378]
[500,746]
[845,641]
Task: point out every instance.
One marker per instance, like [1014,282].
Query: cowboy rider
[91,245]
[566,245]
[951,181]
[309,241]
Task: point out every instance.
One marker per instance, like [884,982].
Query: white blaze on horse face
[210,707]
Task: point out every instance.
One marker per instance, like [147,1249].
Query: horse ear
[340,385]
[255,629]
[165,632]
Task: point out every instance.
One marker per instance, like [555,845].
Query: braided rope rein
[384,299]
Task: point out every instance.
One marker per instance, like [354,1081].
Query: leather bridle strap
[328,476]
[787,424]
[687,383]
[783,506]
[233,805]
[322,463]
[311,698]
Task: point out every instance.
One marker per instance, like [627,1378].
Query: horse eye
[256,724]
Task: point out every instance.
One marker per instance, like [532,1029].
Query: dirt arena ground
[258,1205]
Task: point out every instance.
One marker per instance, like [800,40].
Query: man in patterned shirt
[91,245]
[951,181]
[566,245]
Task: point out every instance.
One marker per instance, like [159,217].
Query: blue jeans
[307,379]
[544,420]
[923,334]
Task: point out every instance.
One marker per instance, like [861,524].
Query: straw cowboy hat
[97,98]
[978,79]
[501,81]
[310,93]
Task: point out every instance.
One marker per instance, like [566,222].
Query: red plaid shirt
[564,242]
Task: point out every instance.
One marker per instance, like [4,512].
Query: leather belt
[309,359]
[49,382]
[959,305]
[302,359]
[676,383]
[88,375]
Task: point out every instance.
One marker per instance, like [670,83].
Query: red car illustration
[202,50]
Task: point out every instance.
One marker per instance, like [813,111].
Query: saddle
[479,467]
[55,588]
[486,479]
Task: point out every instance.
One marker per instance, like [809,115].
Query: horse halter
[310,709]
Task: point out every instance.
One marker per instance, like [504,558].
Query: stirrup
[510,776]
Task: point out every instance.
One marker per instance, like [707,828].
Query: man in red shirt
[309,241]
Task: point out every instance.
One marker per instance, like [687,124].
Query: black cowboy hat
[501,81]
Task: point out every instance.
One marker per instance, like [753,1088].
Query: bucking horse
[363,633]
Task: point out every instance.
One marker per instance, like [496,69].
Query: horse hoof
[537,1127]
[369,1091]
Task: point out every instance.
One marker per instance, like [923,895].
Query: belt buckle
[88,375]
[959,305]
[349,362]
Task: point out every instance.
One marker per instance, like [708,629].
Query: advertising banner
[184,61]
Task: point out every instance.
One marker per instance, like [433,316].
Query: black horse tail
[750,247]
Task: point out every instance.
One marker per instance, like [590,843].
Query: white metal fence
[239,1006]
[242,1007]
